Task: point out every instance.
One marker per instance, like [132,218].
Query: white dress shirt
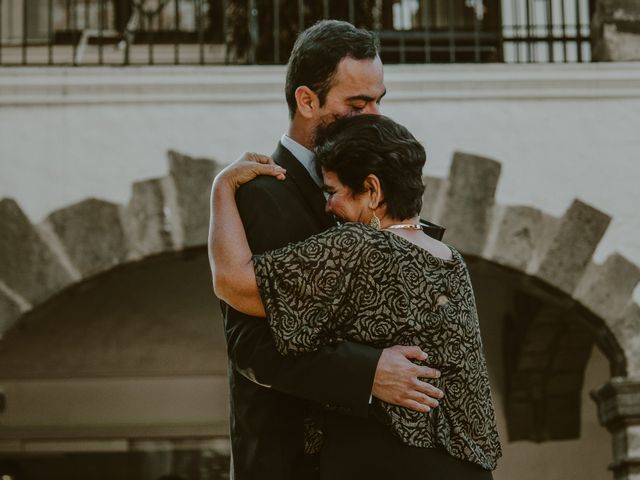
[305,156]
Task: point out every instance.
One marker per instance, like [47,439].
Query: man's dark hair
[354,147]
[318,51]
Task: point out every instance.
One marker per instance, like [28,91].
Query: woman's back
[376,287]
[435,247]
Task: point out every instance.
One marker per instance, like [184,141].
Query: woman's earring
[374,222]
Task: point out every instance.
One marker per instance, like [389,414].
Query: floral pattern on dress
[359,284]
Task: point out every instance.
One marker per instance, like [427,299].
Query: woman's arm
[234,279]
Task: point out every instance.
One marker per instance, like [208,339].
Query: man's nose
[373,108]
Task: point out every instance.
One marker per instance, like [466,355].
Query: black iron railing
[146,32]
[547,30]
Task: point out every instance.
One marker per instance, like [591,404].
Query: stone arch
[554,254]
[563,301]
[77,242]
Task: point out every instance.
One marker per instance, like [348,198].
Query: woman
[378,280]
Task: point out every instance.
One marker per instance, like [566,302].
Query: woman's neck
[389,222]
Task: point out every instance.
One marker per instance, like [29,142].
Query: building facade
[112,359]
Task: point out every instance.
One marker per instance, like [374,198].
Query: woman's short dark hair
[317,52]
[354,147]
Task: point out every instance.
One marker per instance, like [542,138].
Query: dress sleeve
[304,287]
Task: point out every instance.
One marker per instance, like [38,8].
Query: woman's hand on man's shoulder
[247,167]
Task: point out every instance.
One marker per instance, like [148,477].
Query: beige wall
[560,131]
[75,408]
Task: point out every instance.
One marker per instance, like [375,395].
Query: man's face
[357,87]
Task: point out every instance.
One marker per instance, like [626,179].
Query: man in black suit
[334,70]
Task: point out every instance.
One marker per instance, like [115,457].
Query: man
[334,70]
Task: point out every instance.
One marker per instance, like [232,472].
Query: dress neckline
[444,261]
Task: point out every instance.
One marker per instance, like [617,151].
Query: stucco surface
[552,149]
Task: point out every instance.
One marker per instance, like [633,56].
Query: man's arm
[344,375]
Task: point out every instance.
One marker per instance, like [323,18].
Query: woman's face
[343,203]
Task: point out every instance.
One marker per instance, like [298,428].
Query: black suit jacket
[267,422]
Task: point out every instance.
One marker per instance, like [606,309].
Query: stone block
[433,198]
[618,402]
[192,179]
[91,234]
[606,289]
[10,310]
[28,266]
[146,226]
[615,31]
[619,410]
[519,234]
[570,251]
[626,329]
[633,441]
[469,201]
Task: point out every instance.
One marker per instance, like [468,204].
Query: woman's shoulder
[350,238]
[353,230]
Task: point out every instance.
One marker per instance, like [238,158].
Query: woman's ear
[307,101]
[372,185]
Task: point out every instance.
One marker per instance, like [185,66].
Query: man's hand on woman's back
[399,381]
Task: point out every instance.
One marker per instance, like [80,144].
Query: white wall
[560,131]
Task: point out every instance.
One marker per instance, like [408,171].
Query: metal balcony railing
[148,32]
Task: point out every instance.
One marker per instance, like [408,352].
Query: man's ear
[307,101]
[376,195]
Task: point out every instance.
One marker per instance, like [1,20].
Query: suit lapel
[308,188]
[431,229]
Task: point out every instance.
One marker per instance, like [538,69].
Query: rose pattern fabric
[356,283]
